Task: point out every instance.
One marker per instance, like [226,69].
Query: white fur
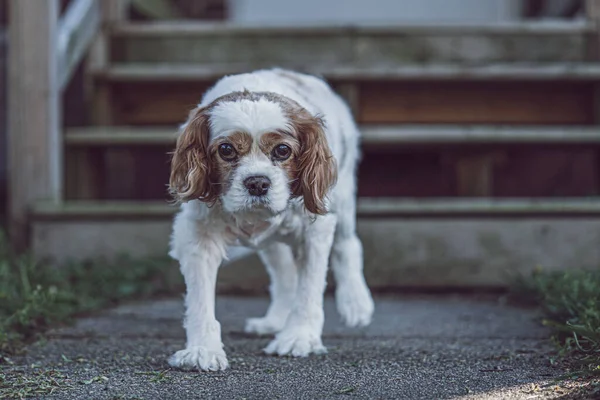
[253,117]
[236,199]
[295,246]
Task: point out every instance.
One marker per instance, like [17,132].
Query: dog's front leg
[301,335]
[204,349]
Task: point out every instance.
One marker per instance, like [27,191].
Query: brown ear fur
[191,163]
[317,170]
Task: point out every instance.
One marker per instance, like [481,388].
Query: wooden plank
[366,207]
[543,171]
[417,173]
[85,179]
[368,45]
[406,135]
[477,103]
[34,142]
[349,91]
[475,174]
[372,135]
[557,103]
[194,28]
[120,136]
[513,71]
[156,104]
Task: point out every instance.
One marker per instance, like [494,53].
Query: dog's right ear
[191,163]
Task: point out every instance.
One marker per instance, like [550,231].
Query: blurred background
[479,121]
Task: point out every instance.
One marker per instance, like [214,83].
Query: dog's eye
[227,152]
[282,152]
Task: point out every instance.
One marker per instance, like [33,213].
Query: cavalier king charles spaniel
[268,160]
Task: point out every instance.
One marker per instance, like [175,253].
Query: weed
[157,376]
[571,301]
[35,295]
[346,390]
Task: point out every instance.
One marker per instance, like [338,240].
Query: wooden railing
[43,53]
[76,31]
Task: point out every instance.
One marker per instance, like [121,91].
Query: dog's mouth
[260,207]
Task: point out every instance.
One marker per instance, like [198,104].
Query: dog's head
[253,152]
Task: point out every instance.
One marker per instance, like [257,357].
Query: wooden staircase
[481,143]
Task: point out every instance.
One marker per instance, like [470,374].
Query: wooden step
[185,42]
[373,207]
[390,72]
[407,243]
[401,135]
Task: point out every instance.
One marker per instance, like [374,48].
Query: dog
[268,160]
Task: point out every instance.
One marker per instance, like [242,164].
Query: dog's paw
[264,326]
[201,358]
[354,303]
[295,343]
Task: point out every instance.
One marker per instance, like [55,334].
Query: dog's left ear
[317,169]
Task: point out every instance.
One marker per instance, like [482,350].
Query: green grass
[571,302]
[34,296]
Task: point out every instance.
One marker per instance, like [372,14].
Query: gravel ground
[418,347]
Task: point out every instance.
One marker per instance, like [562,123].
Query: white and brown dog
[268,160]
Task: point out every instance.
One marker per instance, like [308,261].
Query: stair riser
[417,252]
[525,103]
[264,48]
[388,171]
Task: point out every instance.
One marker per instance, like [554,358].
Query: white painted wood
[403,135]
[497,72]
[366,207]
[418,252]
[34,141]
[383,11]
[77,29]
[187,28]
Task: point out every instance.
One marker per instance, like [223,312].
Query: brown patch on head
[242,143]
[269,141]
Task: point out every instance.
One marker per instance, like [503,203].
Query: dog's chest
[260,233]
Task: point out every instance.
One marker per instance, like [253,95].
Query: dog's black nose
[257,185]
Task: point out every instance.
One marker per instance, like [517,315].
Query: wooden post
[34,140]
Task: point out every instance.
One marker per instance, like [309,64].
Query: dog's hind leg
[280,264]
[353,298]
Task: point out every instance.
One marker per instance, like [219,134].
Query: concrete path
[418,347]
